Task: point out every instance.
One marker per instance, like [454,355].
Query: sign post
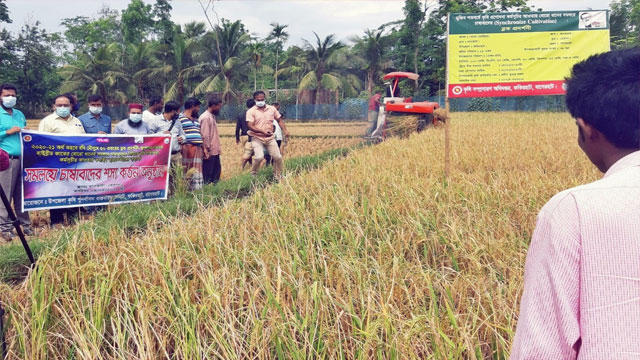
[520,54]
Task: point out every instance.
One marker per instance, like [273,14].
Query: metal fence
[356,109]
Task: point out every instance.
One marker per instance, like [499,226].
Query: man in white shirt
[154,110]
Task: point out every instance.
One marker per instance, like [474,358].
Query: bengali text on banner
[62,171]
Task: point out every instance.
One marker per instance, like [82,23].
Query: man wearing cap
[94,121]
[61,122]
[12,121]
[134,124]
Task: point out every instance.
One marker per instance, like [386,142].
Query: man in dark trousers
[211,167]
[241,130]
[12,121]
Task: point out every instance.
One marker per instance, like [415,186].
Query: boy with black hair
[582,278]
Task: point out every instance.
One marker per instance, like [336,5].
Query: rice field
[345,129]
[374,255]
[306,139]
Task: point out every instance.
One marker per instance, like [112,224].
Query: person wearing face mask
[134,125]
[94,121]
[168,123]
[61,122]
[211,167]
[192,146]
[12,121]
[260,122]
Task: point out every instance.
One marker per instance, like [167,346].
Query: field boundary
[136,218]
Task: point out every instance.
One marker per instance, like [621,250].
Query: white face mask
[95,110]
[135,118]
[9,101]
[261,103]
[63,111]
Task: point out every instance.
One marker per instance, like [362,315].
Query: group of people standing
[195,139]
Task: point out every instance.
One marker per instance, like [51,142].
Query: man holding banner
[12,121]
[61,122]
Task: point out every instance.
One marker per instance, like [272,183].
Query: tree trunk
[297,102]
[180,90]
[370,82]
[417,43]
[276,74]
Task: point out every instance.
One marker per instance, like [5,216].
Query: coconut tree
[256,51]
[279,35]
[327,60]
[97,73]
[183,68]
[231,39]
[295,66]
[371,48]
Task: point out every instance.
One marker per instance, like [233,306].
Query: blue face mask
[62,111]
[135,118]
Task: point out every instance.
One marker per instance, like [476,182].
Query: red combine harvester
[395,107]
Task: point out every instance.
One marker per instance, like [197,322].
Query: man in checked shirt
[581,295]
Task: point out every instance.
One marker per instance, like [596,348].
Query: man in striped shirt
[581,295]
[192,147]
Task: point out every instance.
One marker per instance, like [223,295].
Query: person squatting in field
[582,274]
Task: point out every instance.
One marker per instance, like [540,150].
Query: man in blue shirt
[12,121]
[95,122]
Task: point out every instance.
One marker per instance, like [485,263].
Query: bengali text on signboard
[520,54]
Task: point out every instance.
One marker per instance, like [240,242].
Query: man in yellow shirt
[61,122]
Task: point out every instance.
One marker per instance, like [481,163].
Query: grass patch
[137,218]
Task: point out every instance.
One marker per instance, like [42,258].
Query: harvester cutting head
[402,116]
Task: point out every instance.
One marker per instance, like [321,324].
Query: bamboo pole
[447,107]
[447,143]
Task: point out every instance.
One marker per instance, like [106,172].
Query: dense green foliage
[132,54]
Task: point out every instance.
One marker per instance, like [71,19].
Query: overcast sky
[340,17]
